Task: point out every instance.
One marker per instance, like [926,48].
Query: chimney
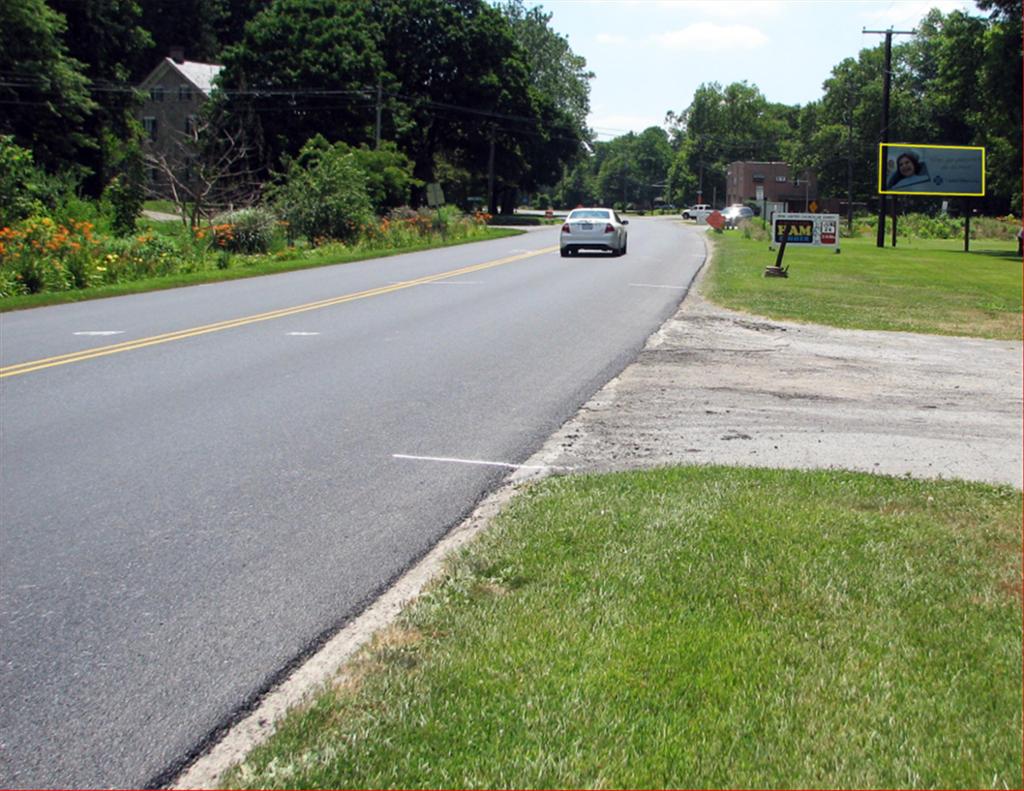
[178,54]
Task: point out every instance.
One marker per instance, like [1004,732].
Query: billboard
[814,230]
[912,169]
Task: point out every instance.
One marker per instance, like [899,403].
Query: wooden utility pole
[886,84]
[380,91]
[492,204]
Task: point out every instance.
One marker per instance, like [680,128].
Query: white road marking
[653,285]
[100,332]
[479,462]
[303,333]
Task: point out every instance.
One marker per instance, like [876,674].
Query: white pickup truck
[698,212]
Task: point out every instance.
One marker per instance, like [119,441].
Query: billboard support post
[967,225]
[895,211]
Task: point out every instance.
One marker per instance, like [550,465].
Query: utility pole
[849,164]
[492,204]
[380,91]
[886,83]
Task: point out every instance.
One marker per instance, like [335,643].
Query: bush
[39,254]
[251,230]
[25,190]
[324,194]
[125,198]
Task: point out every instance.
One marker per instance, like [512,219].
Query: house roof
[200,75]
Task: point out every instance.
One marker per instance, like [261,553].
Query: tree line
[466,89]
[957,81]
[485,97]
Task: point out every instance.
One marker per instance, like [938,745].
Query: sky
[649,56]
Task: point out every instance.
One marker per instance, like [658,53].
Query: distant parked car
[593,229]
[698,211]
[733,214]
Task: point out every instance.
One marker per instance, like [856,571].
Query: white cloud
[611,38]
[709,37]
[728,9]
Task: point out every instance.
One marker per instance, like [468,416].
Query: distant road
[198,486]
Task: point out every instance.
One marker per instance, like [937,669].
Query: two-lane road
[198,486]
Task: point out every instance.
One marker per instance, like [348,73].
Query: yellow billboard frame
[881,170]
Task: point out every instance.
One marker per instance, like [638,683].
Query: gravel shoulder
[714,386]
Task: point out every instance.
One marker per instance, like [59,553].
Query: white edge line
[478,462]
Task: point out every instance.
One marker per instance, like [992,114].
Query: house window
[781,179]
[150,125]
[184,93]
[156,93]
[758,178]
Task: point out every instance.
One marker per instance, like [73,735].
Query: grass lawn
[243,266]
[695,627]
[927,286]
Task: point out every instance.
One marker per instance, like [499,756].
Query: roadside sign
[805,229]
[716,220]
[435,195]
[914,169]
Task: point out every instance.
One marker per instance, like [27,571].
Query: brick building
[781,188]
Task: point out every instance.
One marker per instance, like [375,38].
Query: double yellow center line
[141,343]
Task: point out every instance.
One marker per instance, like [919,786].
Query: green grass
[928,286]
[165,206]
[244,266]
[694,627]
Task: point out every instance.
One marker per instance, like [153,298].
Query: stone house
[174,93]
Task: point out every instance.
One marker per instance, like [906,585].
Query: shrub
[25,190]
[39,254]
[250,230]
[324,194]
[125,198]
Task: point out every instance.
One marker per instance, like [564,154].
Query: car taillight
[609,228]
[565,228]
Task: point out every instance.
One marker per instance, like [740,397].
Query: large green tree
[44,91]
[305,67]
[719,126]
[105,36]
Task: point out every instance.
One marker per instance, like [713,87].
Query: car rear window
[589,214]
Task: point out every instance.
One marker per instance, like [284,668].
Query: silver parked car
[735,213]
[593,229]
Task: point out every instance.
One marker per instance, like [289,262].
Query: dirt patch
[714,386]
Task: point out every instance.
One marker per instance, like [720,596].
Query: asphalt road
[192,503]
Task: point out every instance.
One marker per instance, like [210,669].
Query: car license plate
[586,226]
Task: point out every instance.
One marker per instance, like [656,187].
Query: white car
[593,229]
[698,212]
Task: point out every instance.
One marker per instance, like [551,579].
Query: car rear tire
[564,252]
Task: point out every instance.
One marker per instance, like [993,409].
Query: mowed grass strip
[694,627]
[929,286]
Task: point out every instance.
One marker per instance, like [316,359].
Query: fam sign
[910,169]
[798,228]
